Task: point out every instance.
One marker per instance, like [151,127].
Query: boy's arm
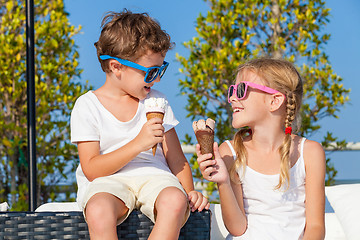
[180,167]
[96,165]
[177,161]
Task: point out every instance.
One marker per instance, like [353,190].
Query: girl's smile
[237,109]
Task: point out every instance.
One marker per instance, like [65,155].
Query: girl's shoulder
[312,147]
[305,145]
[226,148]
[226,151]
[314,154]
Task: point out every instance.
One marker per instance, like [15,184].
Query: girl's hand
[197,201]
[213,170]
[150,134]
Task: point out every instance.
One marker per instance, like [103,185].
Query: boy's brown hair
[129,36]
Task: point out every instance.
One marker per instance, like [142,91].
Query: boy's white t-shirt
[91,121]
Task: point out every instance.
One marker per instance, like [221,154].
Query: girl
[261,173]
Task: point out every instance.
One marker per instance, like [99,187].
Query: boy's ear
[114,66]
[277,100]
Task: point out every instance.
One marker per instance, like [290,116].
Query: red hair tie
[288,130]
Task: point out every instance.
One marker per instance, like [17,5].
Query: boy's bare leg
[102,212]
[170,208]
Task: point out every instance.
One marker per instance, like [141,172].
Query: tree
[56,90]
[235,31]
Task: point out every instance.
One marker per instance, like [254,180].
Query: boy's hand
[150,134]
[213,170]
[197,201]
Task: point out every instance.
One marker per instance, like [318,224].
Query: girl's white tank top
[273,214]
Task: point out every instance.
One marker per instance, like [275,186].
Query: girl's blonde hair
[282,76]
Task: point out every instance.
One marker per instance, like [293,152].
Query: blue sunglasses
[151,72]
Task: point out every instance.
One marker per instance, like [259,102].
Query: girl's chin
[237,125]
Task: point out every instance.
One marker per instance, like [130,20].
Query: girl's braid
[290,109]
[284,149]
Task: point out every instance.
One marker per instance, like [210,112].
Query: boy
[117,171]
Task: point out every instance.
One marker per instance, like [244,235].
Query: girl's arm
[96,165]
[315,167]
[180,167]
[231,199]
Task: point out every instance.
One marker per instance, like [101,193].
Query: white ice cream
[155,104]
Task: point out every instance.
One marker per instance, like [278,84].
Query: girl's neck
[266,139]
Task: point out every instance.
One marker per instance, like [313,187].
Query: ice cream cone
[155,108]
[204,132]
[150,115]
[206,140]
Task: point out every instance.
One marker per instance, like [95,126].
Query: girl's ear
[277,100]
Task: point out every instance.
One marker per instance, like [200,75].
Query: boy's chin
[142,97]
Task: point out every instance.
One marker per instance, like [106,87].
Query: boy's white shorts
[137,192]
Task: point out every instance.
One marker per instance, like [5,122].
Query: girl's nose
[232,98]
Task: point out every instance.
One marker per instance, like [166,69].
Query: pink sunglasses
[240,89]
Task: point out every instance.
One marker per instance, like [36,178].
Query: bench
[71,225]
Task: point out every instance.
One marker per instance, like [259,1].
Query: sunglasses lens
[151,75]
[163,71]
[241,88]
[231,90]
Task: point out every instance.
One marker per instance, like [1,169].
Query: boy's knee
[96,216]
[173,199]
[100,212]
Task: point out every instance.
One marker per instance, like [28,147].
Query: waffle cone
[206,140]
[150,115]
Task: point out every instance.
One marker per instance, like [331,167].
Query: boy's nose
[157,79]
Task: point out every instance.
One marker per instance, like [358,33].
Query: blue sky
[178,18]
